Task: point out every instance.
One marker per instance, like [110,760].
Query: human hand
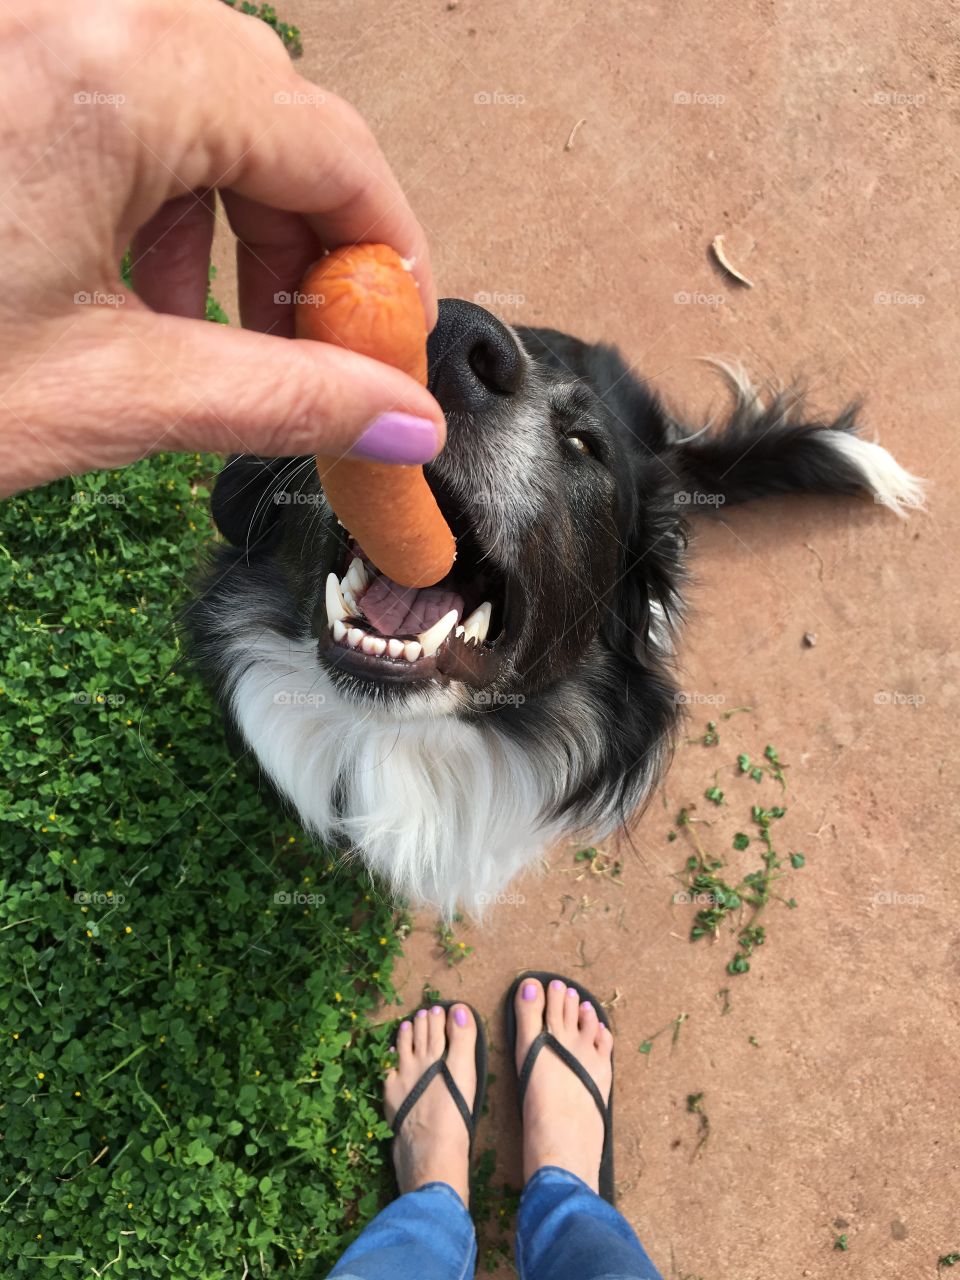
[120,120]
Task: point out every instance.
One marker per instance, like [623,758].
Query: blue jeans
[564,1232]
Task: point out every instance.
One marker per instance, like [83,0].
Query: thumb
[113,387]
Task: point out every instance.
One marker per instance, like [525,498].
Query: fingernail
[557,984]
[571,991]
[530,991]
[397,437]
[421,1013]
[460,1017]
[436,1009]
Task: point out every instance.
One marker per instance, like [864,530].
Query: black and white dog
[448,736]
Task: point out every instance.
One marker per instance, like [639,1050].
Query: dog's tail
[769,445]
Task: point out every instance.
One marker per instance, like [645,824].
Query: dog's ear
[248,497]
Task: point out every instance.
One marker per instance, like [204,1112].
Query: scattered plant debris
[721,256]
[676,1023]
[452,950]
[695,1108]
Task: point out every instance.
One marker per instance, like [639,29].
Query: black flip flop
[547,1038]
[440,1068]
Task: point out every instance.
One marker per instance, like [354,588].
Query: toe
[421,1032]
[461,1032]
[529,1005]
[436,1031]
[588,1018]
[603,1039]
[571,1009]
[404,1041]
[556,1000]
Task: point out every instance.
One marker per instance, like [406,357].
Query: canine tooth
[339,630]
[478,624]
[373,645]
[434,636]
[354,636]
[394,648]
[356,576]
[349,599]
[411,650]
[336,605]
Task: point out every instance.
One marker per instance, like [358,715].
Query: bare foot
[561,1123]
[433,1144]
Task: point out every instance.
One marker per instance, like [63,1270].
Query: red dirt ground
[821,141]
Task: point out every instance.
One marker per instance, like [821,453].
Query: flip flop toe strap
[546,1038]
[438,1068]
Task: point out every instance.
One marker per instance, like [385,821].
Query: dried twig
[720,254]
[568,145]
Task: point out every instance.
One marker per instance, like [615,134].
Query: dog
[448,737]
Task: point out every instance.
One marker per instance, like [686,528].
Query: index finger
[256,127]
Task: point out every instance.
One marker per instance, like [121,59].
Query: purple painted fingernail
[397,437]
[557,984]
[436,1009]
[460,1017]
[421,1013]
[529,991]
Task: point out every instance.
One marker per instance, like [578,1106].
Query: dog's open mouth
[370,626]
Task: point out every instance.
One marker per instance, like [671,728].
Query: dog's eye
[580,445]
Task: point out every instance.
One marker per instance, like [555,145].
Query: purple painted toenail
[460,1017]
[406,1024]
[586,1005]
[571,991]
[529,991]
[557,984]
[436,1009]
[421,1013]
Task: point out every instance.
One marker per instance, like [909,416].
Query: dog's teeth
[339,630]
[336,605]
[478,624]
[434,636]
[394,648]
[457,632]
[354,636]
[349,599]
[373,645]
[411,650]
[356,577]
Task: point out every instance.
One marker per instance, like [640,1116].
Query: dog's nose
[472,357]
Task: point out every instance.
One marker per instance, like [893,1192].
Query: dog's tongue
[398,611]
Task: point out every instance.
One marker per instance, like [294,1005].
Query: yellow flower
[40,1075]
[337,996]
[383,942]
[127,929]
[257,1072]
[369,1133]
[16,1035]
[333,1151]
[76,1093]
